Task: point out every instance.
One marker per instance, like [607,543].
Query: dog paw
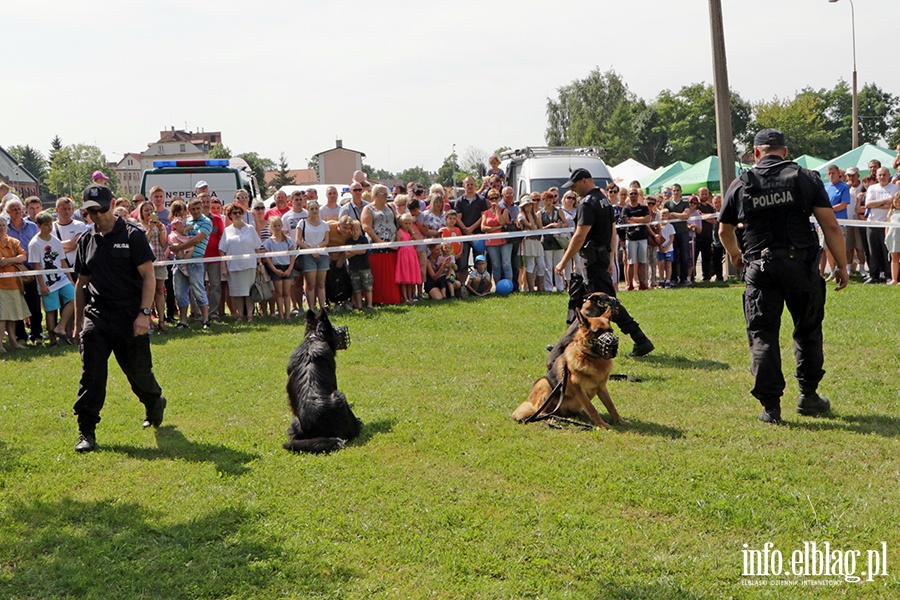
[603,426]
[623,422]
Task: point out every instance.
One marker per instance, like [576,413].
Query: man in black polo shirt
[594,238]
[469,206]
[113,294]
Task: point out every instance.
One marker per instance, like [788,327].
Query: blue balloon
[479,246]
[504,287]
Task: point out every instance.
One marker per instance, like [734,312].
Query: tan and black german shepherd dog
[583,369]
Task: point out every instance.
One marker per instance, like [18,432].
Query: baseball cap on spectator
[577,175]
[99,175]
[200,184]
[480,258]
[853,171]
[769,137]
[96,196]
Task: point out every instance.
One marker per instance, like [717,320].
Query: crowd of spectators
[665,240]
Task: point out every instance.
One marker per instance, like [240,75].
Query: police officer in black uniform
[113,294]
[594,239]
[780,260]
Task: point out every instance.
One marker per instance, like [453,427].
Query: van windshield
[542,185]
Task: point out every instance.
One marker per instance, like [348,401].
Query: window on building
[182,150]
[162,149]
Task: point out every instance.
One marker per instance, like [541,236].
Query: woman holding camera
[159,241]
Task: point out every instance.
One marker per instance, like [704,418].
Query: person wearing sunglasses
[113,295]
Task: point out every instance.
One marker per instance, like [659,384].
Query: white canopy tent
[628,171]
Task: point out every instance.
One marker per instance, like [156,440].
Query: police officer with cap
[113,294]
[780,261]
[594,239]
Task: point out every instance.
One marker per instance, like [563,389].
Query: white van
[178,178]
[538,168]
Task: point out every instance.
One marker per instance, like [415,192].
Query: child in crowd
[280,267]
[447,257]
[892,239]
[177,215]
[358,262]
[452,230]
[57,291]
[408,274]
[665,255]
[479,281]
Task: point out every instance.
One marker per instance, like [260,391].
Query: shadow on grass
[650,428]
[373,428]
[883,425]
[113,549]
[656,591]
[680,362]
[172,444]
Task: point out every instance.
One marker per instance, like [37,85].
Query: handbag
[562,239]
[21,268]
[263,288]
[654,239]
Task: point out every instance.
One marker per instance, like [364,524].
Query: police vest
[775,210]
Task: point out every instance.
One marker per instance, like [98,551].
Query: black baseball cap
[577,175]
[96,196]
[769,137]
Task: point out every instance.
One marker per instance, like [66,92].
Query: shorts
[637,251]
[361,280]
[160,273]
[278,277]
[58,298]
[666,256]
[314,263]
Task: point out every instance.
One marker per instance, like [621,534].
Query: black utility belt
[777,253]
[383,251]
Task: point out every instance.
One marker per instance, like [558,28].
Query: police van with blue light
[179,178]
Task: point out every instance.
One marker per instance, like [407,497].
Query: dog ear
[608,313]
[582,320]
[311,320]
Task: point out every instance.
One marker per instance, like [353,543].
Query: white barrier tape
[422,242]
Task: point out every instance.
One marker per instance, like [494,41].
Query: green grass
[443,495]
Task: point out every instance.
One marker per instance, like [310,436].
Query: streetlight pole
[855,140]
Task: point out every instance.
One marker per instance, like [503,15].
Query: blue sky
[399,80]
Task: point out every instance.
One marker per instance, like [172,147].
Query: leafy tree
[376,174]
[282,178]
[220,151]
[446,175]
[877,116]
[71,169]
[259,166]
[688,118]
[313,163]
[652,143]
[583,109]
[802,120]
[475,160]
[34,162]
[417,174]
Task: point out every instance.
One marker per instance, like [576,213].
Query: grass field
[443,495]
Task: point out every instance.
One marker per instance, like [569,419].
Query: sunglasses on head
[97,210]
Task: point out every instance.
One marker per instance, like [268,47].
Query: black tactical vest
[774,210]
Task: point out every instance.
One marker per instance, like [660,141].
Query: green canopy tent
[663,173]
[860,157]
[704,174]
[811,162]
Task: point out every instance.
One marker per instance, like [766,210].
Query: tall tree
[55,146]
[688,118]
[583,109]
[282,178]
[475,160]
[34,162]
[71,169]
[446,175]
[802,119]
[652,144]
[220,151]
[417,174]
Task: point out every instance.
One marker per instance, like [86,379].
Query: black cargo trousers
[772,284]
[111,331]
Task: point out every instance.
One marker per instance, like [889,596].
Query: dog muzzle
[606,345]
[342,332]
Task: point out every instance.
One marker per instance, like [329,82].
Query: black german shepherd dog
[323,421]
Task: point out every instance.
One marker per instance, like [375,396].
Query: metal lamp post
[855,141]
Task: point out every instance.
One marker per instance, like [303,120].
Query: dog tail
[315,445]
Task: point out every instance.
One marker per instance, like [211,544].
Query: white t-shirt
[68,232]
[240,241]
[291,220]
[854,200]
[44,254]
[879,192]
[668,232]
[313,235]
